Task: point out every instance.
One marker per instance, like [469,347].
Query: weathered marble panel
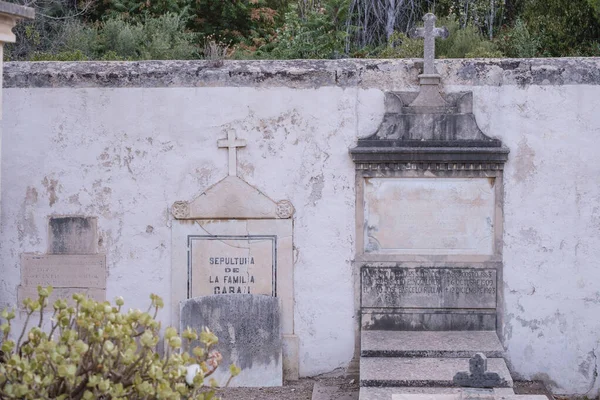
[249,333]
[232,264]
[428,287]
[67,274]
[75,271]
[429,216]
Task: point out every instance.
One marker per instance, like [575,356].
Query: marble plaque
[230,264]
[71,271]
[24,292]
[430,216]
[428,287]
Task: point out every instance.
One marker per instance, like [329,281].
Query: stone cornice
[389,75]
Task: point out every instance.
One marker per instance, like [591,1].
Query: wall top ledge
[15,10]
[396,74]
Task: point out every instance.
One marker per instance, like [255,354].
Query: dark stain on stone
[51,186]
[72,235]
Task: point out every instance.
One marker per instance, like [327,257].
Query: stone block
[448,344]
[421,372]
[291,347]
[467,288]
[249,332]
[73,235]
[64,271]
[24,292]
[428,320]
[67,274]
[434,216]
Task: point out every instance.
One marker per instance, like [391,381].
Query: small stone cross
[478,377]
[429,32]
[232,143]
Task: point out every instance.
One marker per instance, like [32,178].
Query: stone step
[374,393]
[386,393]
[421,372]
[441,344]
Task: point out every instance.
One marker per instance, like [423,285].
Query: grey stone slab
[428,287]
[386,393]
[464,396]
[248,328]
[63,271]
[16,10]
[72,235]
[421,372]
[307,74]
[449,344]
[434,320]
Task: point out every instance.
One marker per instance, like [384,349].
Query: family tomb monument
[429,204]
[231,246]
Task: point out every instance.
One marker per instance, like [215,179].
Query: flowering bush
[95,351]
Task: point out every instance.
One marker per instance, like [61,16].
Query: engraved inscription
[24,292]
[429,216]
[72,271]
[232,265]
[428,287]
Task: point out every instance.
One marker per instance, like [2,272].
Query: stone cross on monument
[429,96]
[232,143]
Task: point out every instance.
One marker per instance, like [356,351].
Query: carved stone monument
[73,263]
[233,239]
[429,198]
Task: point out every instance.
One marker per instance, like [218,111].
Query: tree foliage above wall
[285,29]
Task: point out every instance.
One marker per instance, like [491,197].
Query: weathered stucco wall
[123,141]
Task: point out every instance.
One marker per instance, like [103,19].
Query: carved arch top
[232,198]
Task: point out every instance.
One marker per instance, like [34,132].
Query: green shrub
[320,33]
[563,27]
[518,42]
[95,351]
[465,42]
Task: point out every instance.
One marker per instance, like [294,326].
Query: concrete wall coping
[362,73]
[16,11]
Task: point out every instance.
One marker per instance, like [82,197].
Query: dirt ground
[303,389]
[294,390]
[531,387]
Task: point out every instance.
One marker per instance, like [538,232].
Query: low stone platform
[444,344]
[421,372]
[377,393]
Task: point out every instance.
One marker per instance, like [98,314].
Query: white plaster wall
[552,229]
[125,155]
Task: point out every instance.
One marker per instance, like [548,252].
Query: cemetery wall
[121,142]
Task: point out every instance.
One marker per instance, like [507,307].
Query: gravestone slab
[228,264]
[434,216]
[428,287]
[248,328]
[67,274]
[72,235]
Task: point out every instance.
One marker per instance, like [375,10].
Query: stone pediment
[429,134]
[232,198]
